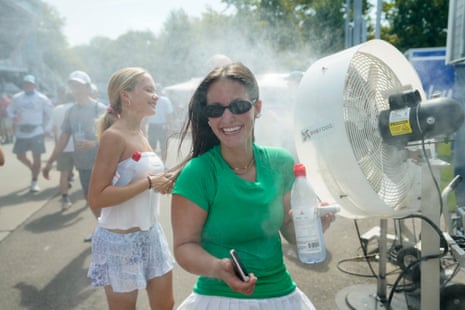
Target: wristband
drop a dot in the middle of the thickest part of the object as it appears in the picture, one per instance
(150, 182)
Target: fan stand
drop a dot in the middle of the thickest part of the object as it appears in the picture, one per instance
(368, 296)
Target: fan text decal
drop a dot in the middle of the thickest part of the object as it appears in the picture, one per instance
(308, 133)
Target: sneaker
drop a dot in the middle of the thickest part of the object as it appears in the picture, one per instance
(88, 239)
(65, 203)
(34, 187)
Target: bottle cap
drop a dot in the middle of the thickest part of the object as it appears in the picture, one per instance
(299, 170)
(136, 156)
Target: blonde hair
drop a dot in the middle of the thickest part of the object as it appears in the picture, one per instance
(124, 79)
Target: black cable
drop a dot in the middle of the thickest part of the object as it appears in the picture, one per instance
(431, 223)
(460, 240)
(364, 249)
(366, 257)
(355, 259)
(423, 258)
(453, 274)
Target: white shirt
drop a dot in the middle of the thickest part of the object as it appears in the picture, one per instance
(58, 115)
(139, 211)
(31, 109)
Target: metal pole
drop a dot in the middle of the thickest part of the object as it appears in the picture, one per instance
(382, 244)
(357, 22)
(430, 245)
(378, 19)
(348, 40)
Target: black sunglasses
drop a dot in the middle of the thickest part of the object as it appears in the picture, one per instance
(238, 106)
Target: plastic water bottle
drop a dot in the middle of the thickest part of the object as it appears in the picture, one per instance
(128, 172)
(311, 247)
(79, 134)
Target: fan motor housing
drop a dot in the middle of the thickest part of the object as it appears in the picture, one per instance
(438, 117)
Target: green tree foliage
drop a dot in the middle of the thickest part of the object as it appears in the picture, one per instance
(104, 56)
(176, 43)
(323, 23)
(268, 35)
(415, 24)
(295, 25)
(51, 39)
(39, 44)
(238, 36)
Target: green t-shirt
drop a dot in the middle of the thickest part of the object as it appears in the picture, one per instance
(242, 215)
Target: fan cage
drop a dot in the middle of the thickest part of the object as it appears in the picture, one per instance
(386, 168)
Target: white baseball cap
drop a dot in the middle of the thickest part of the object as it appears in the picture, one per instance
(80, 77)
(29, 79)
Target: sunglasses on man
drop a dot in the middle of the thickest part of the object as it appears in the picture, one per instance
(238, 106)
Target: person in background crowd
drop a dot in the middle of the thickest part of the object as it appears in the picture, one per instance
(6, 128)
(233, 194)
(94, 93)
(30, 111)
(2, 157)
(65, 161)
(129, 248)
(159, 126)
(217, 60)
(80, 123)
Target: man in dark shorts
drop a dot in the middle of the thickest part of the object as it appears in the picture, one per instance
(30, 111)
(80, 124)
(65, 161)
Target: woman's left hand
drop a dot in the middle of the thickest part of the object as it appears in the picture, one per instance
(162, 183)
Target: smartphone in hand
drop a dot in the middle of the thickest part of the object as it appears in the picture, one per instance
(239, 268)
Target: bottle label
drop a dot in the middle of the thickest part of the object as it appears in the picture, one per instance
(308, 241)
(116, 177)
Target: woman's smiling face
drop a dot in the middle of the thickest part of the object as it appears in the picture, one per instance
(144, 95)
(231, 129)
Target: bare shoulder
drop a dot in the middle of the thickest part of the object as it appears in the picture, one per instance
(114, 140)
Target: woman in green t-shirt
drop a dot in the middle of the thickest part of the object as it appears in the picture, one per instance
(233, 194)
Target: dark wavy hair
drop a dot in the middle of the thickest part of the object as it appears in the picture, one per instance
(203, 138)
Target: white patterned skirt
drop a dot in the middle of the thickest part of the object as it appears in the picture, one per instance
(293, 301)
(127, 261)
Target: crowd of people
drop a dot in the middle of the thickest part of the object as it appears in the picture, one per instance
(228, 193)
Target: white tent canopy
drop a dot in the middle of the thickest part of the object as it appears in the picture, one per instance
(269, 84)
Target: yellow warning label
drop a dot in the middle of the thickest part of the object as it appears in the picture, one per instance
(399, 122)
(400, 128)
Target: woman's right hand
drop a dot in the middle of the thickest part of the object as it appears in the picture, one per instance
(233, 281)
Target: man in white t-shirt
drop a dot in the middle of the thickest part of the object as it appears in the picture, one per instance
(65, 162)
(159, 126)
(30, 111)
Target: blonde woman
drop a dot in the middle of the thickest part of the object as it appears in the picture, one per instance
(129, 248)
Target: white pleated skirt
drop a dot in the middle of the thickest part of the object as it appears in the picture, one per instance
(294, 301)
